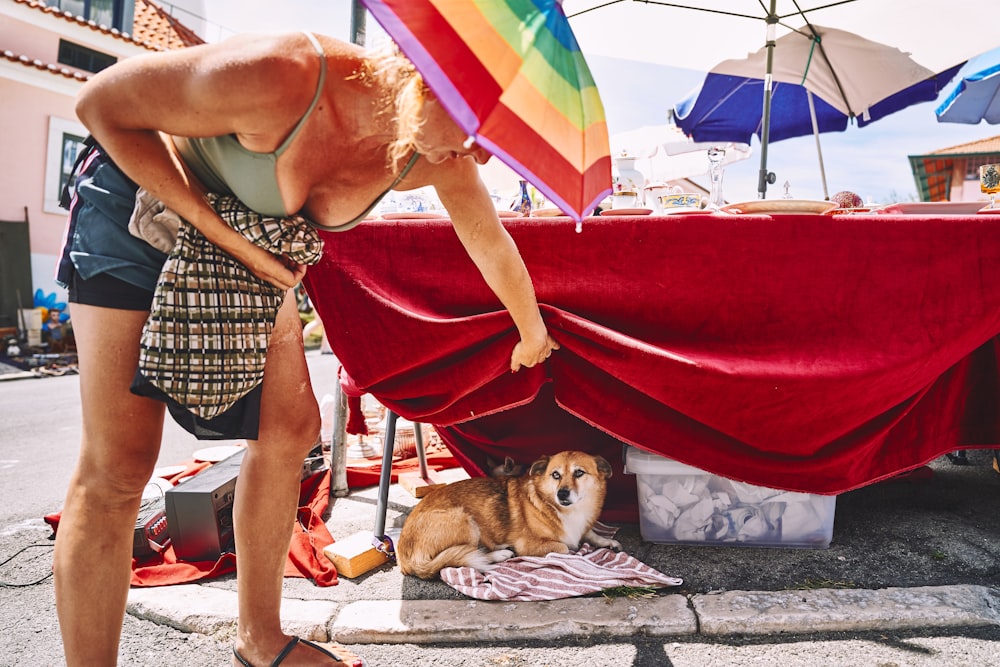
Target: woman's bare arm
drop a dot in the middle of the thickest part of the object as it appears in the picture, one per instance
(491, 248)
(234, 87)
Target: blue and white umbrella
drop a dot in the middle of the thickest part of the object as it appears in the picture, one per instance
(976, 97)
(822, 80)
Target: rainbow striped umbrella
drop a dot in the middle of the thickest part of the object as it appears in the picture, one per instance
(511, 74)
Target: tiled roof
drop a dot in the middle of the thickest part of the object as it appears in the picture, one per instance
(988, 145)
(38, 64)
(153, 28)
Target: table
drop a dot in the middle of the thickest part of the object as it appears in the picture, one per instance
(802, 352)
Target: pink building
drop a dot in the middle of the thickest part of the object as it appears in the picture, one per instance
(48, 49)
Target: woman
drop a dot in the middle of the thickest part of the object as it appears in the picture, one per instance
(290, 123)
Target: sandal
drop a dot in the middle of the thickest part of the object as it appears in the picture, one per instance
(290, 646)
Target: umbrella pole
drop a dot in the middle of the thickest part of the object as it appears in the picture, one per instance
(764, 177)
(819, 150)
(358, 29)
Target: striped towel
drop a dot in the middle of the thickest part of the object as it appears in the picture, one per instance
(556, 576)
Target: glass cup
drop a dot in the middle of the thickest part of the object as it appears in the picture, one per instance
(716, 154)
(989, 181)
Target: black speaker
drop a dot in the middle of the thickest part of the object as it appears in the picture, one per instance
(200, 511)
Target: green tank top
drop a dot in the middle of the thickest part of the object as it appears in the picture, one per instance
(226, 167)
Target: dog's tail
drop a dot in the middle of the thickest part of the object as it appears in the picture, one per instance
(460, 555)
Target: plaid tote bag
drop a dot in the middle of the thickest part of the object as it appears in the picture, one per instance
(205, 342)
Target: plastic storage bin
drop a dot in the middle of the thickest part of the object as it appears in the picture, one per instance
(680, 504)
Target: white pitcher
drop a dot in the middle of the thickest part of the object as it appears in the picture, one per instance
(626, 178)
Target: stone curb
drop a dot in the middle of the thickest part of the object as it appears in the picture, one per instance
(429, 621)
(211, 611)
(846, 610)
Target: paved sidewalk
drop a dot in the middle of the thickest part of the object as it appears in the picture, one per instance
(384, 607)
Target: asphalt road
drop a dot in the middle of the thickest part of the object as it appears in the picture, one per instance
(941, 531)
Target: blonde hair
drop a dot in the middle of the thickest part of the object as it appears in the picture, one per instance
(407, 95)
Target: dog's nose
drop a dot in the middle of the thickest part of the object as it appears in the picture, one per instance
(562, 494)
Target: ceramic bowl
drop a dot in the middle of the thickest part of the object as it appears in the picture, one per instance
(679, 200)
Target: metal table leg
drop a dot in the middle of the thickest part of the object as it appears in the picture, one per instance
(418, 433)
(338, 445)
(385, 478)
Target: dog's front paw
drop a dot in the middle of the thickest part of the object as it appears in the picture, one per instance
(599, 541)
(499, 556)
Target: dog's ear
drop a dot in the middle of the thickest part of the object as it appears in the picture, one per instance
(511, 468)
(603, 466)
(539, 466)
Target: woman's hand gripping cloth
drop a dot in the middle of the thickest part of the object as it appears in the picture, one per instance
(205, 342)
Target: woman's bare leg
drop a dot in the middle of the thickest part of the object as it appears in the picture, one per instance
(267, 493)
(121, 441)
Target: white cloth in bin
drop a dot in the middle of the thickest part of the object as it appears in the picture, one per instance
(697, 508)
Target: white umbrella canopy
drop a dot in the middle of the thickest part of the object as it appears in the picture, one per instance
(851, 74)
(699, 33)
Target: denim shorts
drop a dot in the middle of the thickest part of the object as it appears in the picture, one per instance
(101, 263)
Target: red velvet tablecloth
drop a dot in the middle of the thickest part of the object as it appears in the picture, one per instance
(810, 353)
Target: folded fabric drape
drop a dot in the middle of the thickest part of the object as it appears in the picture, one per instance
(801, 352)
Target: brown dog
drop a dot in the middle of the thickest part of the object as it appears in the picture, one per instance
(482, 521)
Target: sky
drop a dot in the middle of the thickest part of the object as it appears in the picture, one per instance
(870, 161)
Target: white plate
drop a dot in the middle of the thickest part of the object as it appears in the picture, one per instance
(628, 211)
(546, 212)
(786, 206)
(215, 454)
(155, 487)
(934, 207)
(412, 215)
(168, 471)
(683, 209)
